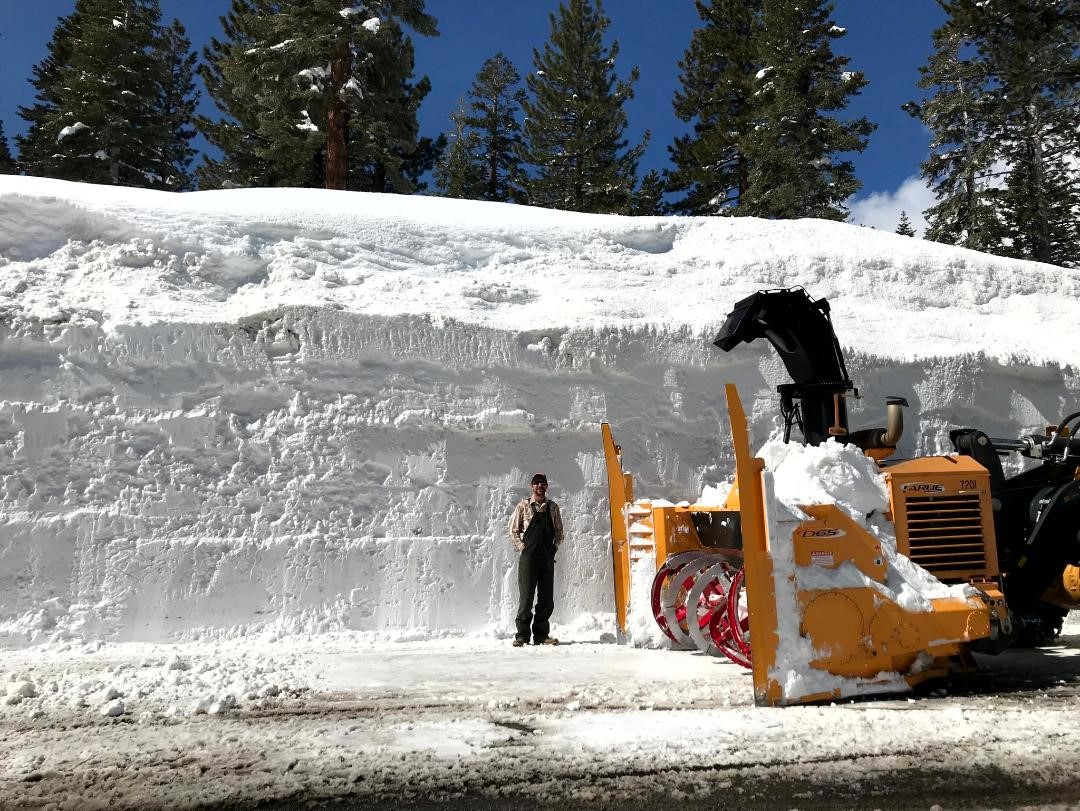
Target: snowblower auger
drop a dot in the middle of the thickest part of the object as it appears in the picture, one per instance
(660, 551)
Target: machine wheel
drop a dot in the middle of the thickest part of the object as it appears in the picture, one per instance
(730, 629)
(1041, 625)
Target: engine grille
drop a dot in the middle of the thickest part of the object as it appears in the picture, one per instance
(945, 534)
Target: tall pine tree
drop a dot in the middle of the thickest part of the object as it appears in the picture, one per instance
(795, 142)
(37, 148)
(483, 161)
(575, 119)
(7, 163)
(1017, 119)
(385, 150)
(717, 98)
(459, 174)
(109, 106)
(962, 149)
(315, 92)
(496, 101)
(1034, 49)
(178, 102)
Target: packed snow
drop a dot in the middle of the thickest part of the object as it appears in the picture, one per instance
(258, 450)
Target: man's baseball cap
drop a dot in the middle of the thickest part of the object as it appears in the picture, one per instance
(539, 478)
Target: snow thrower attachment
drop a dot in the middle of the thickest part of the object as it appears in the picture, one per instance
(811, 594)
(676, 565)
(821, 596)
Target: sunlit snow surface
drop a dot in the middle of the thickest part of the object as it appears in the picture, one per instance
(244, 433)
(307, 411)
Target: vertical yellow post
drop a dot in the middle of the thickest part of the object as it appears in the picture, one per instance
(620, 491)
(760, 588)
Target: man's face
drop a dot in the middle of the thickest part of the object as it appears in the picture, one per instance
(539, 490)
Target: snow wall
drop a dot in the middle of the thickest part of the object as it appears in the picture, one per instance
(306, 468)
(323, 470)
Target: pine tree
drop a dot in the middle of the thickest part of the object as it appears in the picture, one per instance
(459, 174)
(177, 103)
(422, 160)
(103, 91)
(385, 150)
(1007, 105)
(793, 145)
(236, 135)
(575, 121)
(649, 199)
(496, 101)
(904, 227)
(1036, 99)
(315, 92)
(717, 96)
(963, 153)
(7, 163)
(37, 148)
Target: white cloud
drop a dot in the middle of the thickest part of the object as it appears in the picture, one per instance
(881, 209)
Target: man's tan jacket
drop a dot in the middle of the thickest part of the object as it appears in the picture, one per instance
(523, 515)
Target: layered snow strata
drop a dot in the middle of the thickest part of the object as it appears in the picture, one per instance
(303, 410)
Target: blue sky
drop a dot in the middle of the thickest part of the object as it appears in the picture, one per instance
(888, 41)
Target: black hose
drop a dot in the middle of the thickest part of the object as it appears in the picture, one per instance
(1066, 421)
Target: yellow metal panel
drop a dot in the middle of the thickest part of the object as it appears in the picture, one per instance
(760, 589)
(942, 510)
(620, 484)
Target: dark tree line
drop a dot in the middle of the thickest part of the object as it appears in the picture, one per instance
(324, 93)
(760, 90)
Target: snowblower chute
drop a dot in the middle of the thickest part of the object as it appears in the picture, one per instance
(814, 591)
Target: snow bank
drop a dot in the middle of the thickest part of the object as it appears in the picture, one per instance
(300, 410)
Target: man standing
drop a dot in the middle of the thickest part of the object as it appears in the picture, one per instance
(536, 529)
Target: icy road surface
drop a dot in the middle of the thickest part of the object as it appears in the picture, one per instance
(473, 723)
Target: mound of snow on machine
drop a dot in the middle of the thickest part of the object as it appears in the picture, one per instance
(303, 411)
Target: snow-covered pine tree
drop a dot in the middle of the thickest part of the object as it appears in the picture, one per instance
(1032, 49)
(305, 86)
(904, 226)
(37, 147)
(575, 119)
(794, 144)
(962, 149)
(1005, 150)
(495, 101)
(235, 135)
(459, 174)
(101, 90)
(716, 96)
(385, 150)
(7, 162)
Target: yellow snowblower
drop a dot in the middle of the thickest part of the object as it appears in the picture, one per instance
(805, 602)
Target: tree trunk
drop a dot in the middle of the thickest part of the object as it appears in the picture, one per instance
(337, 118)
